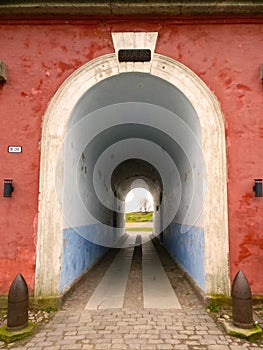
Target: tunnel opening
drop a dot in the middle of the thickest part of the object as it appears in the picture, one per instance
(138, 199)
(129, 176)
(100, 118)
(145, 130)
(139, 208)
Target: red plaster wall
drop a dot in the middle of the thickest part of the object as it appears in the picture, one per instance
(40, 56)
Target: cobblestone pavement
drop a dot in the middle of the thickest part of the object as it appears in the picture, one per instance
(132, 327)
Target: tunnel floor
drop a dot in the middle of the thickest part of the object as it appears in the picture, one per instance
(129, 316)
(155, 289)
(141, 276)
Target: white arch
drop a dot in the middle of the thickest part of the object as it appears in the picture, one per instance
(50, 221)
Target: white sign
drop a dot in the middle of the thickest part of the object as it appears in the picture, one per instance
(14, 149)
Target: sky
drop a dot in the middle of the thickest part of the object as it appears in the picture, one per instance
(135, 197)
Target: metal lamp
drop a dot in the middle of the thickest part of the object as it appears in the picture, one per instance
(257, 188)
(8, 188)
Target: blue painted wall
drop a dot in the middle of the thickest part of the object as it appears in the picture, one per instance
(77, 255)
(188, 249)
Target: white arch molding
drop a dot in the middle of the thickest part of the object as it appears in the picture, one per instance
(50, 221)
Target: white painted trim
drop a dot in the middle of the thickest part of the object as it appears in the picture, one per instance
(134, 40)
(50, 223)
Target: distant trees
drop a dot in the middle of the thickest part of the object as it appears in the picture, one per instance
(145, 205)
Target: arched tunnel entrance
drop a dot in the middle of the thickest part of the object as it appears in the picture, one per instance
(136, 173)
(126, 127)
(133, 126)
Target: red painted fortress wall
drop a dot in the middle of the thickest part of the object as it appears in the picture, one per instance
(39, 57)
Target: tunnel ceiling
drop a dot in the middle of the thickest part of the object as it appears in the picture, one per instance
(127, 171)
(136, 87)
(135, 169)
(128, 127)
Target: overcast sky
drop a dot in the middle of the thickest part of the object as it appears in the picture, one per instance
(135, 197)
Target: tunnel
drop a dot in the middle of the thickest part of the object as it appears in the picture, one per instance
(132, 130)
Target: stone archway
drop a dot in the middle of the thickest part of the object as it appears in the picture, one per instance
(50, 222)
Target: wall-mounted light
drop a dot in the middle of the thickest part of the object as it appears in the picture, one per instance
(8, 188)
(257, 188)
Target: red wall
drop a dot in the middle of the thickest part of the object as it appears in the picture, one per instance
(40, 56)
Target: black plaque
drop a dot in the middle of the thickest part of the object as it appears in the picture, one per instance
(134, 55)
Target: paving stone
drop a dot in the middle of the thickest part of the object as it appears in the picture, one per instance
(71, 347)
(164, 346)
(44, 343)
(132, 327)
(150, 347)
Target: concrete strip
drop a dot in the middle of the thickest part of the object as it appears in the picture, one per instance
(157, 290)
(140, 237)
(111, 290)
(131, 239)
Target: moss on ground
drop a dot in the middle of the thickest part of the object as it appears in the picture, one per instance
(11, 336)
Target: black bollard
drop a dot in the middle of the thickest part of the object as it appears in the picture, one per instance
(17, 312)
(242, 302)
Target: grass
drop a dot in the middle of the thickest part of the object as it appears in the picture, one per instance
(49, 309)
(214, 307)
(139, 216)
(141, 229)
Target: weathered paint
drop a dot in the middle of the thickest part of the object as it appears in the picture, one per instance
(77, 255)
(40, 56)
(186, 245)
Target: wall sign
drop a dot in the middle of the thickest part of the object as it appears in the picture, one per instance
(14, 149)
(134, 55)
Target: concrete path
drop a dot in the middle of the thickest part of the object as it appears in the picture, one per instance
(147, 224)
(157, 290)
(133, 327)
(111, 291)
